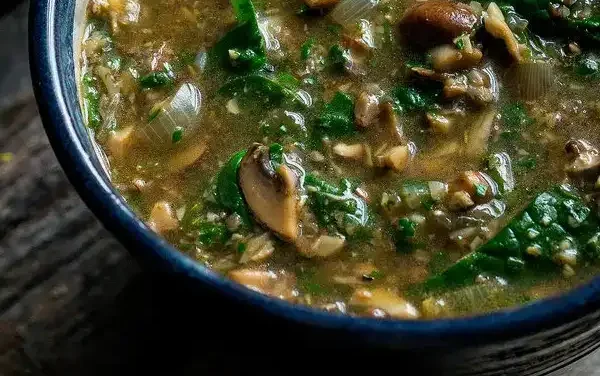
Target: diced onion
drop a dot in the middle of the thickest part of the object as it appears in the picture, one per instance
(181, 111)
(348, 12)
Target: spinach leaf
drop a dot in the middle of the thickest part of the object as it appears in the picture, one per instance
(556, 224)
(410, 99)
(91, 101)
(158, 79)
(337, 118)
(260, 87)
(229, 194)
(587, 65)
(242, 49)
(338, 208)
(575, 22)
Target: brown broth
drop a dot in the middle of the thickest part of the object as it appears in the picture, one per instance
(368, 277)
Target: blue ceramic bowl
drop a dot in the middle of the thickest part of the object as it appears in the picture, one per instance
(532, 339)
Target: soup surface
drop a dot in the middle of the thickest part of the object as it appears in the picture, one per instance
(394, 159)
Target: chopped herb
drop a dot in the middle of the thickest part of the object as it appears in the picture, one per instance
(460, 44)
(306, 48)
(288, 80)
(91, 101)
(159, 79)
(339, 58)
(210, 234)
(241, 248)
(515, 117)
(177, 135)
(404, 235)
(276, 154)
(480, 189)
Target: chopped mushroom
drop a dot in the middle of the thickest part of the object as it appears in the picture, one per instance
(437, 21)
(321, 3)
(366, 109)
(258, 248)
(438, 123)
(496, 25)
(584, 162)
(186, 157)
(389, 120)
(460, 200)
(119, 141)
(448, 58)
(477, 84)
(162, 218)
(280, 285)
(478, 134)
(396, 158)
(385, 300)
(323, 246)
(479, 186)
(354, 151)
(271, 195)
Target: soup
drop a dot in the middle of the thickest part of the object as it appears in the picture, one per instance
(394, 159)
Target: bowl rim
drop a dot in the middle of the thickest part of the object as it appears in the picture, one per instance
(61, 119)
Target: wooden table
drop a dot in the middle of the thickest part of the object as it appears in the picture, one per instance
(72, 301)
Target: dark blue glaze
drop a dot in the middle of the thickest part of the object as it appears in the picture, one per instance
(513, 339)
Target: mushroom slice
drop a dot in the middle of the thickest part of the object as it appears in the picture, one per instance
(323, 246)
(394, 305)
(437, 21)
(270, 194)
(366, 109)
(584, 161)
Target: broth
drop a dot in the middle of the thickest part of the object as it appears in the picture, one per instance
(417, 160)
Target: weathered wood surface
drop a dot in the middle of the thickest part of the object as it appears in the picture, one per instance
(72, 301)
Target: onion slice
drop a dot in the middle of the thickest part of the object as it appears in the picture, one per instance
(348, 12)
(533, 79)
(179, 112)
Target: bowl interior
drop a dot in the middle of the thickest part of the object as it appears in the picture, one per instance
(56, 31)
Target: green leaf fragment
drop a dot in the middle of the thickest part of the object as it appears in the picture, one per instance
(556, 221)
(337, 118)
(229, 194)
(306, 48)
(210, 234)
(91, 101)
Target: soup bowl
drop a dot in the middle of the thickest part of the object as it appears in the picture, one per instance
(531, 339)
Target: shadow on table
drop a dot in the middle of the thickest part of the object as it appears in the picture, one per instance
(157, 326)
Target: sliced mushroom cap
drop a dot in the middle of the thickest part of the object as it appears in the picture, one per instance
(366, 109)
(270, 194)
(584, 161)
(437, 21)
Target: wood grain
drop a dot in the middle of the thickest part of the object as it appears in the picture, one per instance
(72, 301)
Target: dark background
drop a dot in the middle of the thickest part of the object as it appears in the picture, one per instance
(73, 302)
